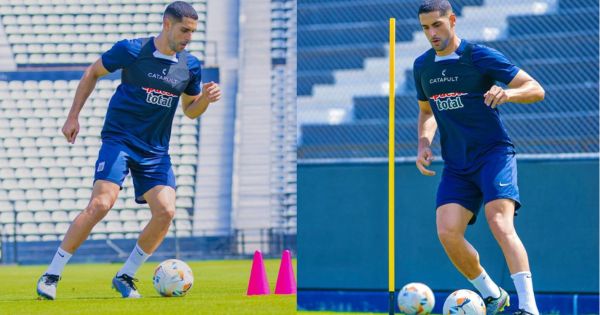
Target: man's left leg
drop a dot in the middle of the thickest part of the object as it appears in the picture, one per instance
(500, 216)
(161, 200)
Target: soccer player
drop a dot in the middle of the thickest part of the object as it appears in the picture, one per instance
(457, 91)
(156, 72)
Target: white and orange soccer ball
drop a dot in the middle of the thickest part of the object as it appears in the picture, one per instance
(415, 299)
(464, 302)
(173, 277)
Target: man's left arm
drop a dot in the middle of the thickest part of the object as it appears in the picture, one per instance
(196, 105)
(522, 89)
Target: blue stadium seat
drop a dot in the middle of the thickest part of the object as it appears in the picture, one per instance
(354, 33)
(340, 57)
(580, 44)
(341, 34)
(331, 12)
(560, 22)
(307, 79)
(578, 4)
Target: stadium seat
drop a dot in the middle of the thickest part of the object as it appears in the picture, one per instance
(114, 226)
(67, 204)
(23, 217)
(28, 228)
(46, 228)
(100, 227)
(35, 205)
(59, 216)
(143, 215)
(127, 215)
(61, 227)
(7, 217)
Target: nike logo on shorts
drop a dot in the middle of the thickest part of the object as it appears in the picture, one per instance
(503, 184)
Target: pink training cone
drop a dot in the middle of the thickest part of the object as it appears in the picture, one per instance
(258, 284)
(286, 283)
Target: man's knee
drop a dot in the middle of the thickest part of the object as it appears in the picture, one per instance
(500, 226)
(449, 234)
(164, 213)
(98, 207)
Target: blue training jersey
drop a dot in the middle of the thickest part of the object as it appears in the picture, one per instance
(141, 110)
(454, 86)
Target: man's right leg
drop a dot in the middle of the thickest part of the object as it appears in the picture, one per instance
(452, 220)
(104, 195)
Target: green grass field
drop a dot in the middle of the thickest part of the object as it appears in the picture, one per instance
(219, 288)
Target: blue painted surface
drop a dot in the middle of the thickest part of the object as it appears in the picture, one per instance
(342, 228)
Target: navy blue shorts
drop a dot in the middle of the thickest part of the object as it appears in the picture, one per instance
(116, 159)
(495, 178)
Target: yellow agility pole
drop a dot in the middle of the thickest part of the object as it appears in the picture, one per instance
(391, 167)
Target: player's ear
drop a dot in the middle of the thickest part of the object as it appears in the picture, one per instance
(166, 23)
(452, 18)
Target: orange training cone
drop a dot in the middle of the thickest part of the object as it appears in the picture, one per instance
(286, 283)
(258, 283)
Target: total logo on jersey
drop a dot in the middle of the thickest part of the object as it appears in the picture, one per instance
(448, 101)
(158, 97)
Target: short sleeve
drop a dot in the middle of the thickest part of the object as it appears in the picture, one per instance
(193, 87)
(417, 77)
(122, 54)
(493, 63)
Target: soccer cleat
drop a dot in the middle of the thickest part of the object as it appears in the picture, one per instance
(522, 312)
(495, 305)
(46, 286)
(124, 285)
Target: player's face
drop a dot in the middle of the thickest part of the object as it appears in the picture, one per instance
(438, 28)
(180, 33)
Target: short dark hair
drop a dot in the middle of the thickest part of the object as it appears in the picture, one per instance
(442, 6)
(180, 9)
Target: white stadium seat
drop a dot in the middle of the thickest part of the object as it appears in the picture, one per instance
(23, 217)
(43, 216)
(28, 228)
(59, 216)
(61, 227)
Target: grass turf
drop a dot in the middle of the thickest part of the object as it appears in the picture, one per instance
(219, 288)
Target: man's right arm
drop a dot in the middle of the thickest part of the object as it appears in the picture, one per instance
(426, 131)
(84, 89)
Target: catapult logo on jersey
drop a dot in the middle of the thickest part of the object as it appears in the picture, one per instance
(158, 97)
(448, 101)
(443, 78)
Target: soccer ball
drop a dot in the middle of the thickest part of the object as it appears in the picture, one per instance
(416, 299)
(173, 277)
(464, 302)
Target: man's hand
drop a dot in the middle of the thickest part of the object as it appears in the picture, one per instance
(70, 129)
(495, 96)
(424, 158)
(211, 91)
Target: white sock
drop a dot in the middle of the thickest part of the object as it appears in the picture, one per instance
(134, 262)
(58, 262)
(484, 284)
(524, 286)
